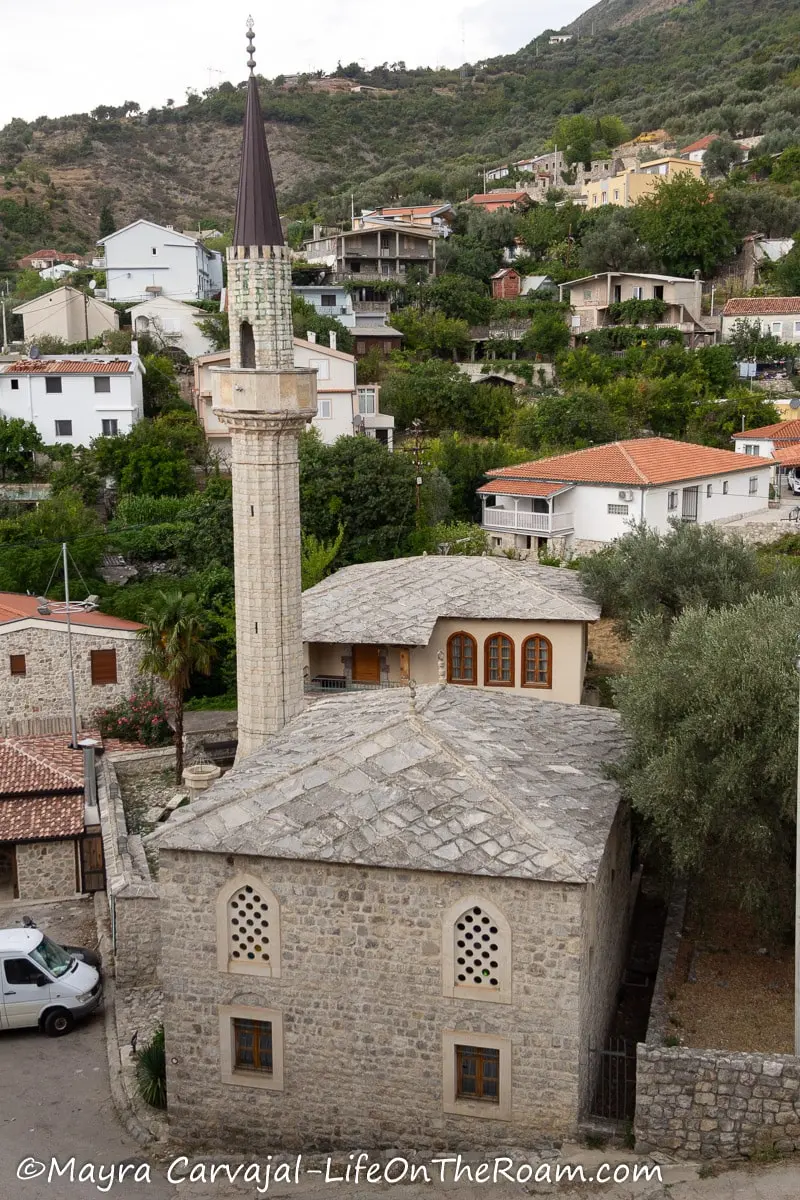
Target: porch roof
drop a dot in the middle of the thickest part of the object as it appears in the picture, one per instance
(523, 487)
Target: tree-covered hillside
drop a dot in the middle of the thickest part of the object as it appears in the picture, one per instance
(712, 65)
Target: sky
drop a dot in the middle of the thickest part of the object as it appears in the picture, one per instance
(66, 56)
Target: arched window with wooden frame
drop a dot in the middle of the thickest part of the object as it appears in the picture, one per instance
(462, 658)
(498, 661)
(537, 662)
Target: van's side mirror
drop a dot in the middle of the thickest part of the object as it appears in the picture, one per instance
(42, 981)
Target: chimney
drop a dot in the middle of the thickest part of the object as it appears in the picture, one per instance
(134, 346)
(332, 339)
(311, 337)
(698, 295)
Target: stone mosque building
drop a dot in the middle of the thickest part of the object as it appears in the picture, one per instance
(401, 919)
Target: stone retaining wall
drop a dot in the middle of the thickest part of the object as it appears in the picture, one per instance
(701, 1103)
(132, 894)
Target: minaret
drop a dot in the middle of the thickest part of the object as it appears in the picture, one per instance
(265, 402)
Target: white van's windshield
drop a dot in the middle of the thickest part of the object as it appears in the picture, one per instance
(52, 957)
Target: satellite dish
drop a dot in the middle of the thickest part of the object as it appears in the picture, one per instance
(794, 403)
(92, 284)
(34, 352)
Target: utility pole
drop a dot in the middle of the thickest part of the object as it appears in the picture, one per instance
(73, 705)
(5, 328)
(417, 448)
(86, 321)
(797, 889)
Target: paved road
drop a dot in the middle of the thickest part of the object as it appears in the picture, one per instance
(55, 1103)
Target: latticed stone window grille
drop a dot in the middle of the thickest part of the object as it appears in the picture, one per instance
(248, 929)
(477, 952)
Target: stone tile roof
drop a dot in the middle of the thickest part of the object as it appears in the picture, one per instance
(762, 306)
(468, 781)
(399, 602)
(641, 462)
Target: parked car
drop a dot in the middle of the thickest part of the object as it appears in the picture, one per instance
(42, 984)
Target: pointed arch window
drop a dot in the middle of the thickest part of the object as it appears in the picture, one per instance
(498, 664)
(476, 951)
(248, 928)
(247, 345)
(462, 658)
(537, 662)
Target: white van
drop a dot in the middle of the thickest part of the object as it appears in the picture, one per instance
(42, 985)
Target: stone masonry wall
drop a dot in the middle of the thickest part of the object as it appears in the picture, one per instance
(702, 1103)
(46, 870)
(132, 895)
(43, 691)
(360, 991)
(260, 292)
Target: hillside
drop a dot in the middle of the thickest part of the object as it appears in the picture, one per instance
(691, 67)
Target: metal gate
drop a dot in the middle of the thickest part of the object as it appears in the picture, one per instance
(613, 1075)
(93, 871)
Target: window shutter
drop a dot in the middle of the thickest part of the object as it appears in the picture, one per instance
(104, 666)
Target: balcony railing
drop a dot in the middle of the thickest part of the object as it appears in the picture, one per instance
(527, 522)
(325, 684)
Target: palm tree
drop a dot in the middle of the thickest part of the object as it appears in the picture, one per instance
(175, 648)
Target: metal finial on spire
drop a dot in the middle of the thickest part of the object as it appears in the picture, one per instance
(251, 62)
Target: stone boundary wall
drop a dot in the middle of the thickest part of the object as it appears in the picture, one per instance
(132, 894)
(141, 762)
(702, 1103)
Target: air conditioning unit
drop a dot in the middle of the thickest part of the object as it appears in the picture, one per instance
(626, 496)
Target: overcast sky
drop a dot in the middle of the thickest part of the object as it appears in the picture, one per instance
(65, 56)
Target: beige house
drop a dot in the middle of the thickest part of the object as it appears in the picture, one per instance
(631, 185)
(592, 297)
(68, 314)
(478, 622)
(343, 406)
(401, 922)
(778, 315)
(387, 249)
(34, 682)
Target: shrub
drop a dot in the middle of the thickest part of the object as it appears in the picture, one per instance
(151, 1071)
(141, 717)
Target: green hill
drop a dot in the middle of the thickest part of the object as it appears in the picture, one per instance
(693, 68)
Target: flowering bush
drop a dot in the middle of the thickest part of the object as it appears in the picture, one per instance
(141, 717)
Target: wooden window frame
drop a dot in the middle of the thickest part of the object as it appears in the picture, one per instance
(479, 1054)
(467, 1105)
(537, 637)
(487, 679)
(263, 1056)
(14, 663)
(106, 650)
(461, 633)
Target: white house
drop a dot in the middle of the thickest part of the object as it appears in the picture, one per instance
(172, 323)
(58, 271)
(68, 314)
(330, 300)
(778, 315)
(144, 260)
(780, 442)
(344, 407)
(580, 501)
(72, 398)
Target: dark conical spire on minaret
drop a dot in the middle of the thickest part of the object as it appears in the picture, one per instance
(257, 222)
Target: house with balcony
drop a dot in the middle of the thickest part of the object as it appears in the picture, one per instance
(385, 250)
(360, 310)
(578, 502)
(483, 622)
(780, 442)
(344, 407)
(629, 186)
(593, 299)
(433, 216)
(144, 260)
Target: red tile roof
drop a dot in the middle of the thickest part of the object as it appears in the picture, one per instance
(788, 456)
(62, 366)
(701, 144)
(16, 607)
(39, 764)
(41, 818)
(642, 462)
(524, 487)
(498, 197)
(783, 431)
(762, 306)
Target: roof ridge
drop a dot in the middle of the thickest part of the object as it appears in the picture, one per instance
(505, 565)
(38, 760)
(485, 785)
(634, 466)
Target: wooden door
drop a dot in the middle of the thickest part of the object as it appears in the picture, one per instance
(93, 872)
(366, 664)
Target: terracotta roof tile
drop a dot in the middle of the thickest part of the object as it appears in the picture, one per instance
(16, 607)
(39, 764)
(789, 455)
(62, 366)
(641, 462)
(782, 431)
(524, 487)
(39, 818)
(762, 306)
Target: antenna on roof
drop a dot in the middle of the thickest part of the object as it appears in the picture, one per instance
(34, 352)
(794, 403)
